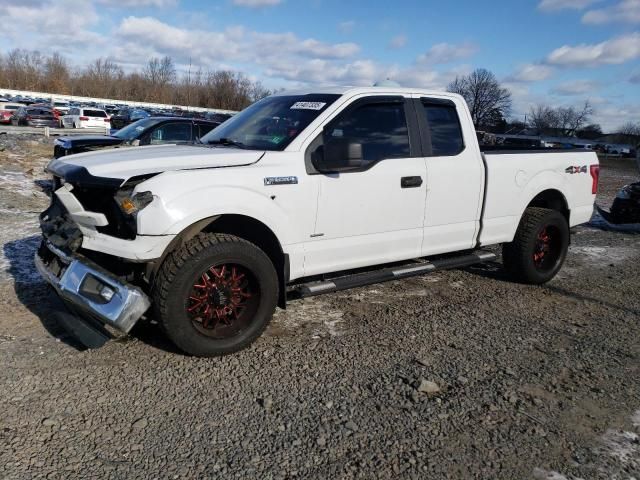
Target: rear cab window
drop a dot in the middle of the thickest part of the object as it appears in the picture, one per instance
(443, 126)
(94, 113)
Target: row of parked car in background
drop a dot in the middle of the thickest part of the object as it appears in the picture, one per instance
(40, 112)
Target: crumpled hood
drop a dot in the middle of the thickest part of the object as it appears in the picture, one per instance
(125, 163)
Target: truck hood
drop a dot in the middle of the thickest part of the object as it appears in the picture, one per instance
(119, 165)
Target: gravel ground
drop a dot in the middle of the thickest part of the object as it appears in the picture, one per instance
(460, 374)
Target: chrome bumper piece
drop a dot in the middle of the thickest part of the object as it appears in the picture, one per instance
(80, 283)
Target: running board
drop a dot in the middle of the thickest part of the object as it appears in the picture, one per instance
(394, 273)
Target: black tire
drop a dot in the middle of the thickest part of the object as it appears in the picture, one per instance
(175, 286)
(539, 247)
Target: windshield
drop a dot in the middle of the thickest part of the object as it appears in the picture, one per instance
(271, 123)
(134, 130)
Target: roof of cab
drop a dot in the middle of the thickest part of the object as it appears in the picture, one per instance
(367, 90)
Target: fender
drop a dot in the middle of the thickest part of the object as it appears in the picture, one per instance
(545, 180)
(173, 217)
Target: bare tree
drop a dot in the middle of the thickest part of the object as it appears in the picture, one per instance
(629, 133)
(543, 118)
(160, 73)
(570, 119)
(56, 74)
(563, 121)
(488, 101)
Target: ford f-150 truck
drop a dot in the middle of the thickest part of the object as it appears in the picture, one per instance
(300, 194)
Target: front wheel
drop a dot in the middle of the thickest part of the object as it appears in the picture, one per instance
(215, 295)
(539, 247)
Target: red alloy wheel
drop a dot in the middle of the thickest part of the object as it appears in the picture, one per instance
(223, 300)
(547, 248)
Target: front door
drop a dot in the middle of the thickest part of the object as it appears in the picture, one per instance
(370, 213)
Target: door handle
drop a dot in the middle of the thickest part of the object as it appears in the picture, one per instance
(410, 182)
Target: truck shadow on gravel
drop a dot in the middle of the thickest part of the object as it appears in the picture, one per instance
(40, 300)
(32, 291)
(495, 271)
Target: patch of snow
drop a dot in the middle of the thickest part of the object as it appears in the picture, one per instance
(540, 474)
(314, 315)
(604, 255)
(624, 446)
(621, 445)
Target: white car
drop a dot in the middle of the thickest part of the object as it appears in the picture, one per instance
(79, 117)
(61, 106)
(300, 194)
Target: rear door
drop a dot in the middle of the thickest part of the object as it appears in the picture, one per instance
(455, 176)
(372, 214)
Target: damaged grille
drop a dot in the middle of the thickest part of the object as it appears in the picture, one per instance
(101, 200)
(58, 228)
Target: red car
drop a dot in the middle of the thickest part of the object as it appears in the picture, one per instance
(7, 110)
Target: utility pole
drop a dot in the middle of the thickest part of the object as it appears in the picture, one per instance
(189, 84)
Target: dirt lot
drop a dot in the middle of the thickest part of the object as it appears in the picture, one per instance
(531, 382)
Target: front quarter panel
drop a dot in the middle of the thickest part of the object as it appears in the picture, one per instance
(185, 197)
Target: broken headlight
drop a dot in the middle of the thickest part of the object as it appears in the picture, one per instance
(131, 204)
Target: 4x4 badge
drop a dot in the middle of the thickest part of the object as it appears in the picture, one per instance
(280, 180)
(573, 170)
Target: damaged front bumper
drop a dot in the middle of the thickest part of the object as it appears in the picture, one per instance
(91, 289)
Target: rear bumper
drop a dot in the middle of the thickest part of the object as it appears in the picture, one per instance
(91, 289)
(44, 123)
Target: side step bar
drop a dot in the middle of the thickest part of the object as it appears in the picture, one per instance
(394, 273)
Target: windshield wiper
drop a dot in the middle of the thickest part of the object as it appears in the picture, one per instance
(227, 142)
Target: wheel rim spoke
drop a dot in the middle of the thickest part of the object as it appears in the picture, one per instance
(222, 299)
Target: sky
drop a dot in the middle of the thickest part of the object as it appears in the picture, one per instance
(553, 52)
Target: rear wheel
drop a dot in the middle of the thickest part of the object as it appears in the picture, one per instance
(539, 247)
(216, 294)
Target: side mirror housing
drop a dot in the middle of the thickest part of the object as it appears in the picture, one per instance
(337, 155)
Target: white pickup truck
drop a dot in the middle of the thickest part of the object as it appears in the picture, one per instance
(300, 194)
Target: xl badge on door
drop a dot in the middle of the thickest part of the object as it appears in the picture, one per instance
(280, 180)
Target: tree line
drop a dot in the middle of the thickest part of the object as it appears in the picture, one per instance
(158, 81)
(490, 105)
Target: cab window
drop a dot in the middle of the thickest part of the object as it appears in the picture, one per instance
(380, 128)
(444, 128)
(171, 133)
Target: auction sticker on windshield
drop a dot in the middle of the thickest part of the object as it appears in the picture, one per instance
(308, 106)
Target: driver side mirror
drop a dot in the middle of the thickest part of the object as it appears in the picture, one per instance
(337, 155)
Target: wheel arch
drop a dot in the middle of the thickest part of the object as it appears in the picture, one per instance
(552, 199)
(242, 226)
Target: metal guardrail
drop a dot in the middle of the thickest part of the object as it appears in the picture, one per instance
(49, 132)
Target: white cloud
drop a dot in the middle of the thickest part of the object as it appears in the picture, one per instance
(615, 51)
(256, 3)
(138, 3)
(398, 41)
(48, 25)
(148, 35)
(627, 11)
(576, 87)
(447, 53)
(347, 26)
(531, 72)
(555, 5)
